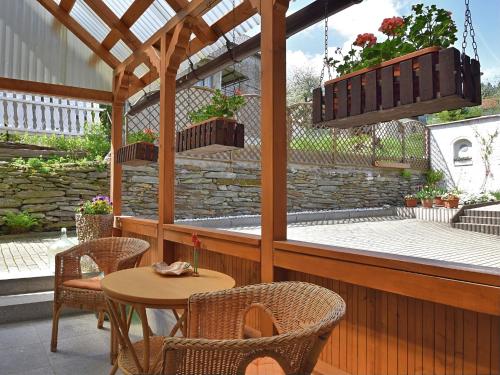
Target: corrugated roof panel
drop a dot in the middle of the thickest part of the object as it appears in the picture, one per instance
(141, 70)
(155, 17)
(119, 7)
(36, 47)
(89, 20)
(121, 51)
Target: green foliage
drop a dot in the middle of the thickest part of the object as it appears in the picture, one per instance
(20, 222)
(147, 135)
(9, 137)
(406, 174)
(426, 193)
(99, 205)
(455, 115)
(94, 143)
(427, 26)
(496, 194)
(433, 177)
(47, 166)
(221, 106)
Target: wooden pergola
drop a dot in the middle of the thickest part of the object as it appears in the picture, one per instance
(404, 315)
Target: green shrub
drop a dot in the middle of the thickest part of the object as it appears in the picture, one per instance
(406, 174)
(433, 177)
(20, 222)
(496, 194)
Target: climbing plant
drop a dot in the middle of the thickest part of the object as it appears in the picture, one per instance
(486, 143)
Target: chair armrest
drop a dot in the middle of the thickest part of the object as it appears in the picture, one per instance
(67, 264)
(223, 354)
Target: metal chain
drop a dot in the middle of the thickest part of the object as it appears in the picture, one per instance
(469, 27)
(326, 65)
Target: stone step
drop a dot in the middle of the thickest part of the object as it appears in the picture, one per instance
(480, 220)
(26, 285)
(29, 306)
(483, 213)
(481, 228)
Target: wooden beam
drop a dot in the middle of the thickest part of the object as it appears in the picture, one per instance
(67, 5)
(273, 129)
(131, 15)
(107, 15)
(194, 9)
(116, 169)
(50, 89)
(172, 50)
(200, 27)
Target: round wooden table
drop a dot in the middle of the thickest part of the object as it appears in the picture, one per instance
(142, 288)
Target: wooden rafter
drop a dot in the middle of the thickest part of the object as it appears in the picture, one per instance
(67, 5)
(107, 15)
(241, 13)
(200, 27)
(194, 9)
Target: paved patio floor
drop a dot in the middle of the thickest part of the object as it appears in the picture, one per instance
(409, 237)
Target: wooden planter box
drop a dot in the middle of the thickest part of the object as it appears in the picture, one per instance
(139, 153)
(214, 135)
(426, 81)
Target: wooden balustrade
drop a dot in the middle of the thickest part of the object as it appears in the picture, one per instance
(404, 316)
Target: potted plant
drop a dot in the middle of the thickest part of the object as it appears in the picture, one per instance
(398, 77)
(426, 196)
(451, 199)
(21, 222)
(410, 200)
(140, 148)
(438, 194)
(94, 219)
(214, 128)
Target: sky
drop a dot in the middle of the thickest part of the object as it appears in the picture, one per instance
(307, 47)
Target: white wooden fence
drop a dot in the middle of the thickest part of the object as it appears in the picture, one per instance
(45, 115)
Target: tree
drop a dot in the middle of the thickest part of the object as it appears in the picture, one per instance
(300, 85)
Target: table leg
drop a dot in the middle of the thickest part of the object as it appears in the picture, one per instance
(180, 324)
(145, 331)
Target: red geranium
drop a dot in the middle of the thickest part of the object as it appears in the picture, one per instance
(391, 26)
(365, 40)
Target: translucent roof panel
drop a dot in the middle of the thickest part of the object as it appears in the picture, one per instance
(121, 50)
(89, 20)
(119, 7)
(152, 19)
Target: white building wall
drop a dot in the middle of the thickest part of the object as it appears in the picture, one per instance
(468, 171)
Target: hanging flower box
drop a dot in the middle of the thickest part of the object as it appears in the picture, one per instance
(213, 135)
(138, 153)
(427, 81)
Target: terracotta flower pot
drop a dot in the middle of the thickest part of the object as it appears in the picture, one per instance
(451, 203)
(411, 202)
(89, 227)
(438, 202)
(427, 203)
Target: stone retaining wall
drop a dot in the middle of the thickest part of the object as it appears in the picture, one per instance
(203, 189)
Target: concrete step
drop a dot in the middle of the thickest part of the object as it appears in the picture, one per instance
(480, 220)
(29, 306)
(26, 285)
(481, 228)
(483, 212)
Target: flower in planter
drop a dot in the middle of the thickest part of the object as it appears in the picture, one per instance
(426, 193)
(99, 205)
(365, 40)
(147, 135)
(392, 26)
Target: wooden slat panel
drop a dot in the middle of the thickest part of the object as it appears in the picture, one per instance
(476, 81)
(468, 82)
(387, 87)
(470, 343)
(317, 111)
(370, 92)
(355, 95)
(426, 78)
(439, 339)
(329, 111)
(406, 82)
(449, 72)
(341, 95)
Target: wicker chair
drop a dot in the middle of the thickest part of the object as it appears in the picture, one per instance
(303, 314)
(70, 289)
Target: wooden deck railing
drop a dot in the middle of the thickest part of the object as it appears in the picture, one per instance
(404, 315)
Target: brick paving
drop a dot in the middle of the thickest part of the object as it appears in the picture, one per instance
(26, 253)
(408, 237)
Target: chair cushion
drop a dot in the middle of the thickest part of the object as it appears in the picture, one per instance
(264, 366)
(92, 283)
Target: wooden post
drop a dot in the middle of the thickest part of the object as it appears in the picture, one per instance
(274, 131)
(173, 48)
(116, 169)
